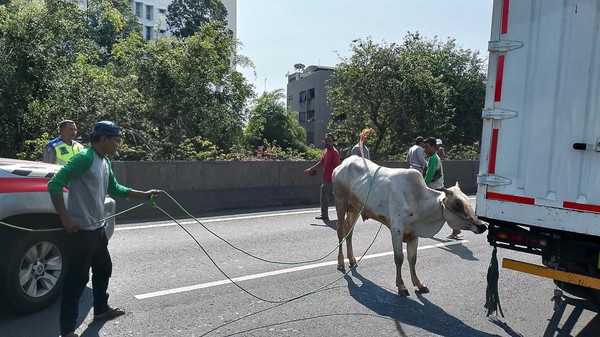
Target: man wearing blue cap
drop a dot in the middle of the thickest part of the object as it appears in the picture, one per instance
(90, 178)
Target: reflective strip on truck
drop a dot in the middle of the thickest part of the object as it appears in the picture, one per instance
(504, 24)
(532, 201)
(558, 275)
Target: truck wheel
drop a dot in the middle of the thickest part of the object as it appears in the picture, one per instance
(35, 272)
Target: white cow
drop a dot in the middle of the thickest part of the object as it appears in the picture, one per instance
(399, 199)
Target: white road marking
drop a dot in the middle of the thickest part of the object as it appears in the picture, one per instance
(276, 272)
(189, 222)
(258, 216)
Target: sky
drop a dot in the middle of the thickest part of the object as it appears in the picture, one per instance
(276, 34)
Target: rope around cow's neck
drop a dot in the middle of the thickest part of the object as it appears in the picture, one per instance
(443, 207)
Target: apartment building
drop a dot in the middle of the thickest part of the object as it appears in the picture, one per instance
(307, 95)
(152, 16)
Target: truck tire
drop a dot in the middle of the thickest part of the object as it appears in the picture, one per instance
(35, 271)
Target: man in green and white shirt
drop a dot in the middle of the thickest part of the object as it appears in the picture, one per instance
(89, 177)
(434, 177)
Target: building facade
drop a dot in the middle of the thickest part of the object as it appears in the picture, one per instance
(152, 16)
(307, 95)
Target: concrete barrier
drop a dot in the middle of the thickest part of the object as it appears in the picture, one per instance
(211, 185)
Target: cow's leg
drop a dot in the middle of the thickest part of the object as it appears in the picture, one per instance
(340, 208)
(351, 218)
(397, 239)
(411, 252)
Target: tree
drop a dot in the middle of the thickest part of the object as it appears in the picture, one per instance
(420, 87)
(271, 121)
(38, 40)
(171, 96)
(184, 17)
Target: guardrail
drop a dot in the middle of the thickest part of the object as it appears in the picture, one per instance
(212, 185)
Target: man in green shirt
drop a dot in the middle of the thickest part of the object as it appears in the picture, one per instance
(90, 178)
(434, 176)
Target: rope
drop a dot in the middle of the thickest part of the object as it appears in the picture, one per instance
(25, 229)
(152, 203)
(319, 289)
(492, 299)
(274, 261)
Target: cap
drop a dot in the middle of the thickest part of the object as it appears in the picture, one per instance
(418, 140)
(105, 128)
(438, 141)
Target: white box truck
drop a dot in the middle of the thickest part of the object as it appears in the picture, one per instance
(539, 174)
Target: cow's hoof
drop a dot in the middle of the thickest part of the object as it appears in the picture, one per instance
(423, 290)
(353, 265)
(403, 292)
(342, 269)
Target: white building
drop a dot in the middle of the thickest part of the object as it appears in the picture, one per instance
(152, 16)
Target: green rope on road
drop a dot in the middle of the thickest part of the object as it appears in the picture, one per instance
(25, 229)
(152, 203)
(319, 289)
(274, 261)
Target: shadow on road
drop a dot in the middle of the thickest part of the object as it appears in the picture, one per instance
(43, 323)
(460, 250)
(420, 312)
(556, 329)
(326, 223)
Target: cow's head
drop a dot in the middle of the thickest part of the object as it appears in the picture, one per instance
(459, 213)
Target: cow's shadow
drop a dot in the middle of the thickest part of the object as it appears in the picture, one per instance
(459, 249)
(407, 311)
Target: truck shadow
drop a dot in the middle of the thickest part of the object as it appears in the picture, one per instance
(406, 311)
(579, 305)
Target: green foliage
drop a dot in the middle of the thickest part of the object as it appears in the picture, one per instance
(62, 61)
(420, 87)
(184, 17)
(464, 152)
(34, 148)
(269, 151)
(271, 122)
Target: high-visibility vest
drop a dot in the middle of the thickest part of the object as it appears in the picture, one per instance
(64, 152)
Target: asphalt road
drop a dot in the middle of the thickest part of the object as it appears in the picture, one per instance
(170, 287)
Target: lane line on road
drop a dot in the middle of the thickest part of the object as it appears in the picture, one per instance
(189, 222)
(276, 272)
(258, 216)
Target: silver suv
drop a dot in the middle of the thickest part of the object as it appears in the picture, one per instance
(31, 254)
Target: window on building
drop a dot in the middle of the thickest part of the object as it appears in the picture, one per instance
(290, 98)
(302, 117)
(303, 96)
(310, 138)
(138, 9)
(163, 32)
(148, 32)
(310, 115)
(149, 12)
(311, 94)
(162, 11)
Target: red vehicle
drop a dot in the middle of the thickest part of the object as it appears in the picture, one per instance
(32, 259)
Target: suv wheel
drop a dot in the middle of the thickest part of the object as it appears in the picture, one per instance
(35, 272)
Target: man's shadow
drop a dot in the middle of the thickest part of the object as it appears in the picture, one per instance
(407, 311)
(326, 223)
